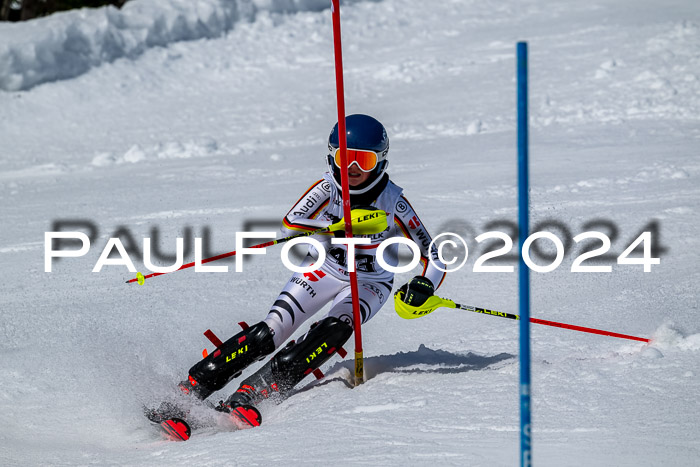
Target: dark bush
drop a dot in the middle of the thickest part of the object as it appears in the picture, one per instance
(21, 10)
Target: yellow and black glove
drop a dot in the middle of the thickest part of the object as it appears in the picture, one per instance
(417, 291)
(354, 212)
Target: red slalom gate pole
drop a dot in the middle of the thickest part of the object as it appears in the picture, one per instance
(589, 330)
(342, 141)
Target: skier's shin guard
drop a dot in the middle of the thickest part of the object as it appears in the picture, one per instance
(291, 364)
(227, 361)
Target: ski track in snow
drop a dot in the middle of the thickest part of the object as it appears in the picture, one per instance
(212, 127)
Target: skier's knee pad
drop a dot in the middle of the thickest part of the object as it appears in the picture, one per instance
(290, 365)
(229, 360)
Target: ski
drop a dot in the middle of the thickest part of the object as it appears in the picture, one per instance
(246, 416)
(176, 429)
(172, 421)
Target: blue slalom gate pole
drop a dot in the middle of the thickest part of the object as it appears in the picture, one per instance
(523, 270)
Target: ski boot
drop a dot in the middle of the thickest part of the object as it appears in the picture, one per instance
(287, 368)
(228, 360)
(211, 374)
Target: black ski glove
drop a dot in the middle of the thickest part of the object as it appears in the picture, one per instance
(417, 291)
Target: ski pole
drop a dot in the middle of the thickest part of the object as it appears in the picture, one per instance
(366, 222)
(407, 311)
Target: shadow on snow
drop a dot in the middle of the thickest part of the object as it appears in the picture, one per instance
(423, 360)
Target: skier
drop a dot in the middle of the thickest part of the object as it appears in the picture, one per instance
(306, 293)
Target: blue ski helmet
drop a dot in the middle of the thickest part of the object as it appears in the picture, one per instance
(365, 133)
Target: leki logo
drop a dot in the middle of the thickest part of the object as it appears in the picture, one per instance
(236, 353)
(317, 352)
(368, 217)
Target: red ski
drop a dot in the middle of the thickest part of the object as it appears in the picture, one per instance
(176, 429)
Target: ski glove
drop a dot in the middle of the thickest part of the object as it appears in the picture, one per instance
(336, 219)
(417, 291)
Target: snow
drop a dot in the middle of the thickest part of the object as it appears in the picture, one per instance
(71, 43)
(211, 127)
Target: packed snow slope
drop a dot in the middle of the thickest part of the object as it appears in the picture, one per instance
(229, 128)
(73, 42)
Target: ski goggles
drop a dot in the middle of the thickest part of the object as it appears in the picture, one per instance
(364, 159)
